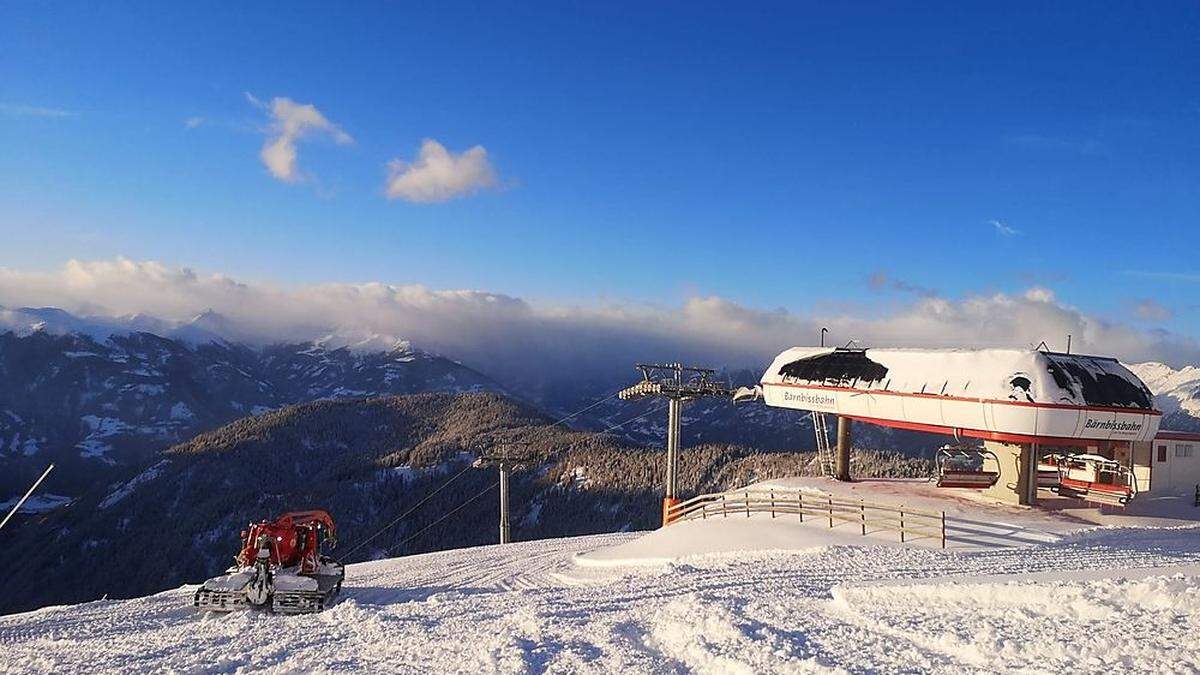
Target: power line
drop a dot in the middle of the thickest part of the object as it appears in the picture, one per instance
(445, 516)
(404, 515)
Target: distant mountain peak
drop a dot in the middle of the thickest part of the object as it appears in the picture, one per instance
(26, 320)
(1174, 389)
(361, 342)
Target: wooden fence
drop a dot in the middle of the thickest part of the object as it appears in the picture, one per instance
(910, 524)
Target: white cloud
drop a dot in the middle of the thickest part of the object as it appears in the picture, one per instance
(1039, 294)
(193, 122)
(510, 338)
(290, 122)
(438, 175)
(1004, 230)
(17, 110)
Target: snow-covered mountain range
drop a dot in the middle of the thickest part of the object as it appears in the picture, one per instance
(99, 407)
(100, 396)
(1176, 393)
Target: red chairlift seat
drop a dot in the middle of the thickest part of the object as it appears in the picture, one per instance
(1048, 470)
(1097, 479)
(976, 480)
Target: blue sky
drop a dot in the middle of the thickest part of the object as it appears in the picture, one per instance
(795, 155)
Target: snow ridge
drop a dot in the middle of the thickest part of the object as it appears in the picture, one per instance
(1173, 389)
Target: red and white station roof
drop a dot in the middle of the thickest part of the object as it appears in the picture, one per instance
(1019, 396)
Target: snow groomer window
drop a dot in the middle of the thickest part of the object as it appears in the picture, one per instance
(1183, 449)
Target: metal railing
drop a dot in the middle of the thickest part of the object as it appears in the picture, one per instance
(910, 524)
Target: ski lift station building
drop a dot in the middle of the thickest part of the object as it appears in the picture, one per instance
(1028, 407)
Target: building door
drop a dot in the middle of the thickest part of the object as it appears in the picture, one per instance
(1160, 476)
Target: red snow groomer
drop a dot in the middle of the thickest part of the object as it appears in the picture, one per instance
(280, 567)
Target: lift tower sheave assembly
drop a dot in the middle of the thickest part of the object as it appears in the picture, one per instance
(676, 383)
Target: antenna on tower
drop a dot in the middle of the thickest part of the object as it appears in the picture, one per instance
(677, 383)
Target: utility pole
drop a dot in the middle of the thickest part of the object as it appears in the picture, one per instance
(676, 383)
(505, 458)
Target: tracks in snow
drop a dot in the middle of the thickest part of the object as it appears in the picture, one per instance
(525, 608)
(521, 566)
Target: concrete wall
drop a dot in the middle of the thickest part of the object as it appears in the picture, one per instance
(1143, 463)
(1018, 473)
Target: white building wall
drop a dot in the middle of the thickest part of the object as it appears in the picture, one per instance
(1175, 467)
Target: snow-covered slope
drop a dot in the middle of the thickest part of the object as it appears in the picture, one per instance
(1106, 600)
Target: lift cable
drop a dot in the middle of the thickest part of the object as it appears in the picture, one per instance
(636, 417)
(492, 487)
(581, 411)
(449, 513)
(429, 496)
(407, 513)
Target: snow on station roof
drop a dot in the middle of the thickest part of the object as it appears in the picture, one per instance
(1004, 394)
(999, 374)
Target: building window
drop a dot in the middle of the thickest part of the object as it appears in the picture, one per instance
(1183, 449)
(1162, 453)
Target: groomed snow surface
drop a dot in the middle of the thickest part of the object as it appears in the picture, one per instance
(755, 595)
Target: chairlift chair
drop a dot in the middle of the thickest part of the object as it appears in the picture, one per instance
(965, 467)
(1095, 478)
(1048, 470)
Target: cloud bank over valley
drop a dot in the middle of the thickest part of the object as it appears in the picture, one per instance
(504, 335)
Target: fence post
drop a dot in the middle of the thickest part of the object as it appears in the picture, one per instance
(772, 494)
(901, 523)
(704, 510)
(831, 513)
(724, 509)
(747, 503)
(862, 512)
(943, 529)
(800, 503)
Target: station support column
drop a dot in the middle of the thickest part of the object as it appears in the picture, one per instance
(1017, 465)
(1029, 473)
(842, 466)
